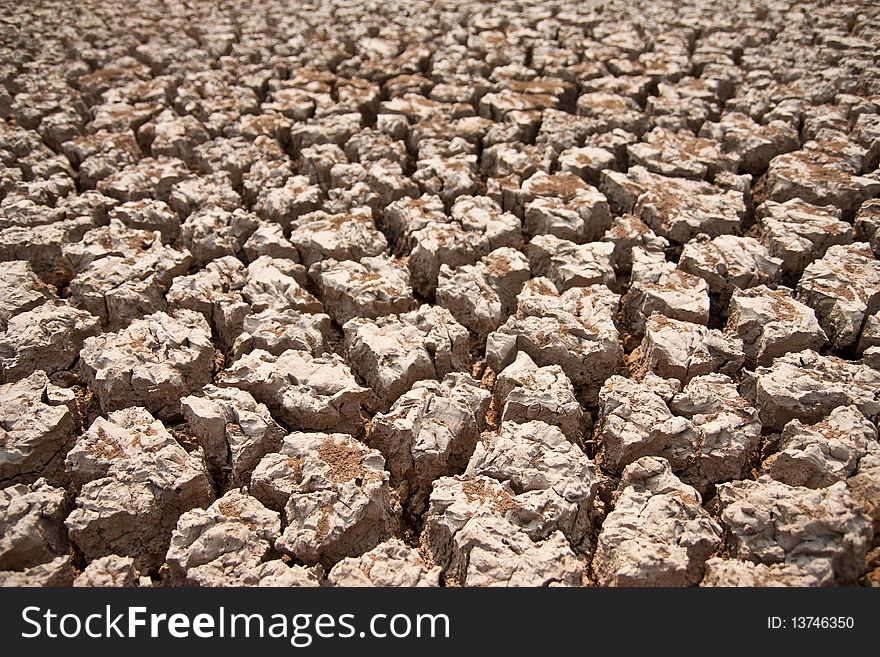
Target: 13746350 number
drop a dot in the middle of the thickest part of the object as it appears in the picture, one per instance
(810, 623)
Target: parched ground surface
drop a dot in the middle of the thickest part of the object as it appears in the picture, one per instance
(439, 294)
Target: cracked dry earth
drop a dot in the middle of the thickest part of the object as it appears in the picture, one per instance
(439, 294)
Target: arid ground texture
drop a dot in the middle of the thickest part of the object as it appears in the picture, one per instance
(417, 293)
